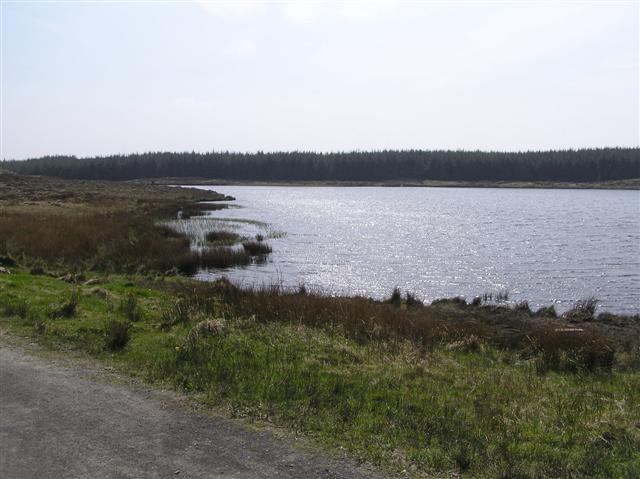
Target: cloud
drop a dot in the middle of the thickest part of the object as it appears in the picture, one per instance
(241, 47)
(191, 104)
(360, 10)
(301, 12)
(232, 9)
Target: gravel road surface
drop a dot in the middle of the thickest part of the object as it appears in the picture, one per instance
(65, 419)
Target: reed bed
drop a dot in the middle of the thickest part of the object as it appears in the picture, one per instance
(200, 209)
(256, 248)
(222, 237)
(561, 347)
(114, 241)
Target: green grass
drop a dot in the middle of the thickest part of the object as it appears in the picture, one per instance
(455, 407)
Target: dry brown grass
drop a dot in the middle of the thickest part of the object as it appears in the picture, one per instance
(20, 189)
(99, 225)
(103, 241)
(256, 248)
(200, 209)
(554, 343)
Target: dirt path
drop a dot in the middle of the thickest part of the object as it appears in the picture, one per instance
(57, 420)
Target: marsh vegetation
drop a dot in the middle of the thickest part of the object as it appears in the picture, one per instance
(119, 228)
(450, 388)
(447, 388)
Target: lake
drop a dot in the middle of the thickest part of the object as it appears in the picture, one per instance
(545, 246)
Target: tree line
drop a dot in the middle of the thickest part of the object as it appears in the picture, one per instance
(584, 165)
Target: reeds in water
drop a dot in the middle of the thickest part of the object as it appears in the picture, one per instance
(256, 248)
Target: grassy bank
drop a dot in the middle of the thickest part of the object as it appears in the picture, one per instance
(456, 403)
(447, 389)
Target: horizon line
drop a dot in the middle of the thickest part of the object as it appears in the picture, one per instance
(317, 152)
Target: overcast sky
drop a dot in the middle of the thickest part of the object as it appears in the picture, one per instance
(94, 78)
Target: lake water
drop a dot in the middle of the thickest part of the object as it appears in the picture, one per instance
(546, 246)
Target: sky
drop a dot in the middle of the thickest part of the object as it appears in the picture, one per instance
(105, 77)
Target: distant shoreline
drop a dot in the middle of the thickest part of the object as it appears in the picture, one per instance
(631, 184)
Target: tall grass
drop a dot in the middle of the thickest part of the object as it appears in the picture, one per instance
(116, 334)
(197, 229)
(16, 307)
(222, 237)
(215, 257)
(112, 241)
(256, 248)
(516, 329)
(199, 209)
(449, 389)
(67, 307)
(130, 308)
(564, 349)
(583, 310)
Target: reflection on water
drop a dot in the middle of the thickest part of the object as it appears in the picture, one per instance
(547, 246)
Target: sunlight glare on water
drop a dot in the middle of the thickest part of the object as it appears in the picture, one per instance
(545, 246)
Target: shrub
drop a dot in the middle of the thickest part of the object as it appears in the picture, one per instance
(116, 333)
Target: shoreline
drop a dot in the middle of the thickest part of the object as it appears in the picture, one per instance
(632, 184)
(434, 388)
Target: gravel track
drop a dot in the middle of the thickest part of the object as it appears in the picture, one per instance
(61, 418)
